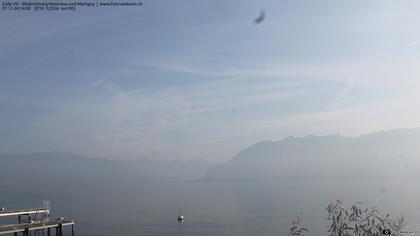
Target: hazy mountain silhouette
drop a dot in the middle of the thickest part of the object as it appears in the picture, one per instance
(64, 167)
(384, 154)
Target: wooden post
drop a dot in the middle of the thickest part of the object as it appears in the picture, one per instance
(49, 232)
(61, 229)
(72, 230)
(19, 219)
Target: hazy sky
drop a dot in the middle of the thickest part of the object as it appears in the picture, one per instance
(197, 79)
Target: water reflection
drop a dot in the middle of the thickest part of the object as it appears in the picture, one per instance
(181, 223)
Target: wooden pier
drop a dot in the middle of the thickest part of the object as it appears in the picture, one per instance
(34, 225)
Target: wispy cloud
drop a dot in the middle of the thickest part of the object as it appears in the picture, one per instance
(99, 82)
(341, 99)
(278, 70)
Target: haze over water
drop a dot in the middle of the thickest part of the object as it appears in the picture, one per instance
(214, 208)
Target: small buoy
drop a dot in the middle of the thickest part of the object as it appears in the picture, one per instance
(180, 216)
(2, 209)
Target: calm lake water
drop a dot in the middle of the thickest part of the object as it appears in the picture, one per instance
(211, 208)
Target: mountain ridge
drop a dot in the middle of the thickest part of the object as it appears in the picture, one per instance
(382, 154)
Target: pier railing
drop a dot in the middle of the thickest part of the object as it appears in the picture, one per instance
(37, 226)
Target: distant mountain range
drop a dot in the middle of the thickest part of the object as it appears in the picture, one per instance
(384, 154)
(66, 166)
